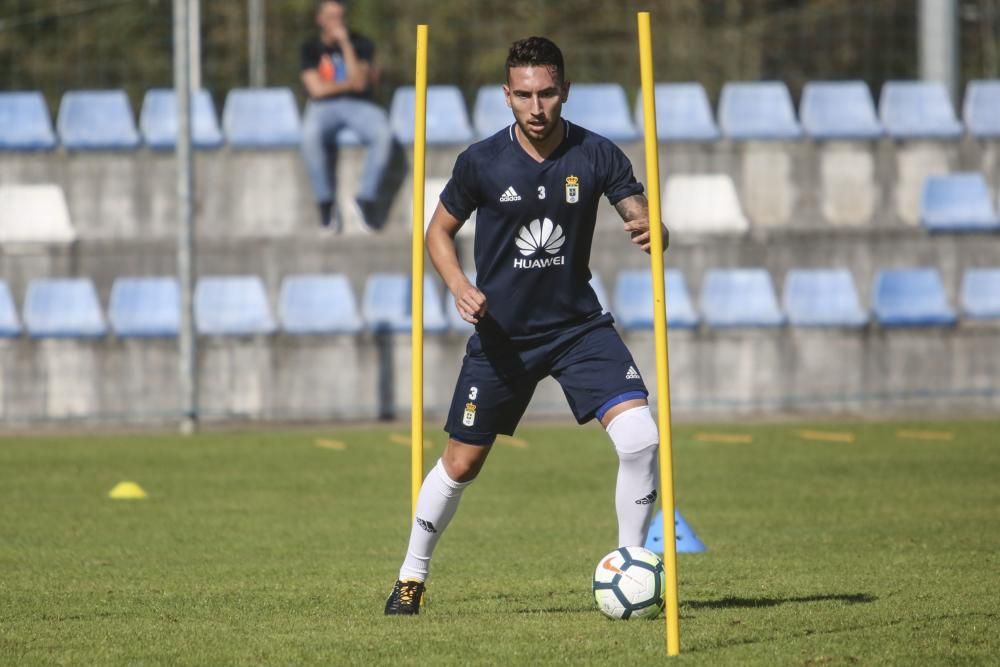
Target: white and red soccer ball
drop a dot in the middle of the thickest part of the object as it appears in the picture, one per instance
(629, 583)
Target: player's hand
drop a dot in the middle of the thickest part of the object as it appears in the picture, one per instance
(638, 231)
(471, 304)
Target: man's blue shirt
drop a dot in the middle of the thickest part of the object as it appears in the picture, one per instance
(535, 226)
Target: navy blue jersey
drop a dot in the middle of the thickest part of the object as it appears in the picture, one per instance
(535, 226)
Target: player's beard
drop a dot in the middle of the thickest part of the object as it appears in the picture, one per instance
(540, 135)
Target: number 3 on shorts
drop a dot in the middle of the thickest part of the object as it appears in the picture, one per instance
(473, 393)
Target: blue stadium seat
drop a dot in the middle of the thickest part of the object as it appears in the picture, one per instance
(918, 109)
(958, 203)
(739, 298)
(597, 285)
(911, 297)
(63, 308)
(490, 113)
(25, 123)
(232, 306)
(980, 109)
(386, 304)
(97, 120)
(822, 298)
(158, 120)
(839, 110)
(682, 113)
(757, 110)
(601, 108)
(261, 118)
(145, 307)
(9, 325)
(447, 117)
(455, 321)
(318, 304)
(434, 319)
(634, 300)
(981, 293)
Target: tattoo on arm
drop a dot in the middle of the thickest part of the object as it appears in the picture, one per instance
(633, 208)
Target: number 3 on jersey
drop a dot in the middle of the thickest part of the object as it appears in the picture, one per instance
(541, 192)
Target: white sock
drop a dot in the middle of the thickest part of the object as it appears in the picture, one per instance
(635, 495)
(635, 438)
(436, 505)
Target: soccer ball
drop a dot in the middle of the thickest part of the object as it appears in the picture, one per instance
(629, 583)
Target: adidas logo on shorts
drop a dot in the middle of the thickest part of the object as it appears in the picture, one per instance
(510, 194)
(632, 374)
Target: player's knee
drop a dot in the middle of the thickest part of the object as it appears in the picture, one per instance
(461, 469)
(634, 433)
(463, 462)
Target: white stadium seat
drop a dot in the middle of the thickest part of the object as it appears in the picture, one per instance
(34, 214)
(703, 203)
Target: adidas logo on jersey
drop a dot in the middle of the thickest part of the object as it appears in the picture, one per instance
(632, 374)
(510, 194)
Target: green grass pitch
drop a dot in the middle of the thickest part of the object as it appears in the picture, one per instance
(279, 548)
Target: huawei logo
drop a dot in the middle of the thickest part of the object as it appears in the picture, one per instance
(540, 234)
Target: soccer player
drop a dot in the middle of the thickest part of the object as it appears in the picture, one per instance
(536, 186)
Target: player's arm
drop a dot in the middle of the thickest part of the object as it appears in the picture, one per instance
(634, 211)
(470, 302)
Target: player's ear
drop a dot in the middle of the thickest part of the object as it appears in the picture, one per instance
(565, 92)
(506, 95)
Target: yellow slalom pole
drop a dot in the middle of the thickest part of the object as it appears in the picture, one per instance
(673, 634)
(417, 277)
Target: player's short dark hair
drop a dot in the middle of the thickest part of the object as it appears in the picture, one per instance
(534, 52)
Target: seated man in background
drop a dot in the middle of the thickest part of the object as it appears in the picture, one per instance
(338, 73)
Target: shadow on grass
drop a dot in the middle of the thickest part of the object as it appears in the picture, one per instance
(565, 609)
(532, 604)
(749, 603)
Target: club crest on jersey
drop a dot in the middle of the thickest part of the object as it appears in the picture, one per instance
(469, 418)
(572, 189)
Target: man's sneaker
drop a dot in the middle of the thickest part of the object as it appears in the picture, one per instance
(405, 598)
(329, 217)
(367, 214)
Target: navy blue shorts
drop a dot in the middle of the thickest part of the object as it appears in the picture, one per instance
(590, 362)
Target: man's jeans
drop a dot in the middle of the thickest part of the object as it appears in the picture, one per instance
(323, 120)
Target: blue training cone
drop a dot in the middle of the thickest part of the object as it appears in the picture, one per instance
(687, 541)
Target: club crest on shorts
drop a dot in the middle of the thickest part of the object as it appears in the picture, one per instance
(469, 418)
(572, 189)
